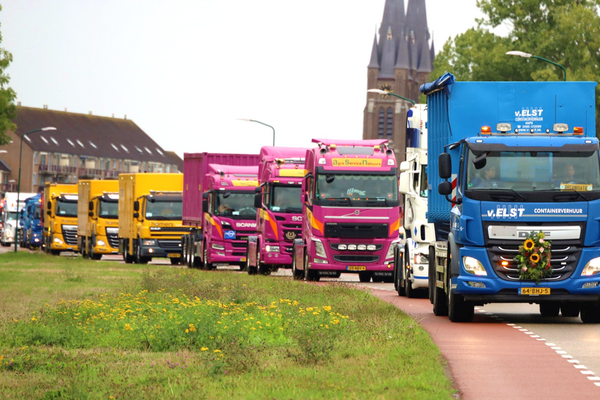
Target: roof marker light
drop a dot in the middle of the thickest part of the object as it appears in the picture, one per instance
(560, 128)
(322, 161)
(578, 130)
(486, 130)
(333, 146)
(503, 127)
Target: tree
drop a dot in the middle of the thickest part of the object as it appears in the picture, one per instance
(564, 31)
(8, 110)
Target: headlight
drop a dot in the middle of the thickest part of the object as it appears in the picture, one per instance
(592, 267)
(362, 247)
(390, 253)
(112, 231)
(100, 243)
(342, 247)
(148, 242)
(271, 249)
(320, 250)
(371, 247)
(351, 247)
(319, 261)
(226, 225)
(473, 266)
(57, 240)
(217, 246)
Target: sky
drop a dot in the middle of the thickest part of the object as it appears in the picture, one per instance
(187, 71)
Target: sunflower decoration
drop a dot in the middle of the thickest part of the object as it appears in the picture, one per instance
(534, 258)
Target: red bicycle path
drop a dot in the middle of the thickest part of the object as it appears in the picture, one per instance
(488, 359)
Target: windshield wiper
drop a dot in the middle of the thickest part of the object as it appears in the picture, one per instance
(498, 193)
(340, 199)
(569, 196)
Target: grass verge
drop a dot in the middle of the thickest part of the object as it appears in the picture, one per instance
(74, 328)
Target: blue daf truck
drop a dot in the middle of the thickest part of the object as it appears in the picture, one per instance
(509, 160)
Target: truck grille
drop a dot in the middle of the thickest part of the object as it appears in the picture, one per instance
(170, 244)
(356, 259)
(239, 244)
(113, 240)
(563, 261)
(70, 236)
(346, 230)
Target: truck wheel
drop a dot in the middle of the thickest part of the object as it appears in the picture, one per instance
(309, 274)
(205, 264)
(431, 273)
(459, 310)
(549, 309)
(139, 259)
(590, 312)
(295, 272)
(410, 292)
(175, 260)
(93, 255)
(128, 258)
(398, 271)
(260, 267)
(251, 270)
(569, 309)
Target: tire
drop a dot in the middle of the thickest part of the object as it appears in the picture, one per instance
(296, 274)
(251, 270)
(569, 309)
(128, 258)
(205, 264)
(410, 292)
(310, 275)
(175, 260)
(459, 310)
(549, 309)
(399, 277)
(590, 312)
(431, 273)
(261, 268)
(364, 277)
(439, 301)
(139, 259)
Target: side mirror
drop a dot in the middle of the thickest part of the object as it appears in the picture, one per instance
(136, 206)
(91, 206)
(49, 205)
(404, 183)
(445, 188)
(205, 202)
(445, 165)
(258, 200)
(136, 215)
(49, 212)
(404, 166)
(91, 214)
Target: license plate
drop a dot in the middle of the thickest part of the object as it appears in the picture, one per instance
(534, 291)
(357, 268)
(174, 255)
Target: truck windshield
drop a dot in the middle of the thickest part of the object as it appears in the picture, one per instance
(286, 199)
(108, 209)
(423, 183)
(11, 216)
(66, 208)
(163, 210)
(235, 204)
(376, 189)
(531, 171)
(37, 212)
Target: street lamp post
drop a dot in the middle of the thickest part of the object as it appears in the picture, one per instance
(262, 123)
(384, 93)
(48, 128)
(529, 55)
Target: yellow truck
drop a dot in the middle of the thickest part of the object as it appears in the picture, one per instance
(150, 226)
(97, 217)
(60, 218)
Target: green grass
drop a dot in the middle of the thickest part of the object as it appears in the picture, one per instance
(79, 329)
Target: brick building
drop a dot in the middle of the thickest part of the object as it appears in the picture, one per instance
(83, 146)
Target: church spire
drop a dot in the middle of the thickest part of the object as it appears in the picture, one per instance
(374, 63)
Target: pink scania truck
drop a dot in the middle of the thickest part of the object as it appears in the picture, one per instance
(351, 211)
(218, 202)
(278, 201)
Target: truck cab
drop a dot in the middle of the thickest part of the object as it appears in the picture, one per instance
(229, 214)
(97, 218)
(32, 222)
(351, 211)
(278, 200)
(60, 220)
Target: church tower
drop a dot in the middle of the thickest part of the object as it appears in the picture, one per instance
(401, 61)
